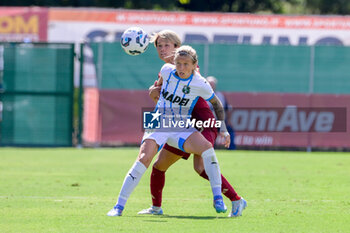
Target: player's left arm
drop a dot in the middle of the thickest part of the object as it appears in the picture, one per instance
(220, 114)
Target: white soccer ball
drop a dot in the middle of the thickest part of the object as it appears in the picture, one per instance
(134, 41)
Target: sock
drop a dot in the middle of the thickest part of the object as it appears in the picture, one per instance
(131, 180)
(212, 169)
(157, 185)
(226, 188)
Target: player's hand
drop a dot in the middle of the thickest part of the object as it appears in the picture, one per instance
(154, 91)
(157, 84)
(227, 139)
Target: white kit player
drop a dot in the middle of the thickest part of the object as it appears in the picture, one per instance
(181, 88)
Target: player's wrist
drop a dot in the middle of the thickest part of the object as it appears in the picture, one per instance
(223, 128)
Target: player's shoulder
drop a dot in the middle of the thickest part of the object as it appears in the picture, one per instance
(200, 79)
(167, 67)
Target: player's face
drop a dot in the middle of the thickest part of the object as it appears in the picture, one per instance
(166, 50)
(184, 66)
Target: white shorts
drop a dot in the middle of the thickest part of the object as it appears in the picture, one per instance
(174, 139)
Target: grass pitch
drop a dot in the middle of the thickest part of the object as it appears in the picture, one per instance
(71, 190)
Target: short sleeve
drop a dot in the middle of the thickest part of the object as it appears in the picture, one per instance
(166, 70)
(207, 92)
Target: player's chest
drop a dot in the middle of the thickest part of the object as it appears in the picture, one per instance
(181, 87)
(179, 93)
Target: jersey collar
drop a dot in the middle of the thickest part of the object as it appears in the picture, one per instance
(183, 79)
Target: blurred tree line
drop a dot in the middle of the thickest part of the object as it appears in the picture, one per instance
(338, 7)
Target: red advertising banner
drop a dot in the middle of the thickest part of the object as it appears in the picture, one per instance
(259, 119)
(27, 24)
(121, 115)
(300, 120)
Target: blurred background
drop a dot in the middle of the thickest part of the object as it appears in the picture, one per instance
(283, 67)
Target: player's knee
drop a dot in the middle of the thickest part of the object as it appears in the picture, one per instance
(205, 146)
(159, 167)
(145, 159)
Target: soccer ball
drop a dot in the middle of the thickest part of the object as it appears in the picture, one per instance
(134, 41)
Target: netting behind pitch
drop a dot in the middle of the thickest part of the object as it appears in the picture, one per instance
(37, 91)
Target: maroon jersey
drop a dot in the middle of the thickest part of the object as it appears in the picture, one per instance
(201, 110)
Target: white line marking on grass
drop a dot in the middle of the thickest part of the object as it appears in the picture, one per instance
(41, 197)
(60, 199)
(294, 200)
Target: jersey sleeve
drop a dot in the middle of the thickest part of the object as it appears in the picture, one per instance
(166, 70)
(207, 92)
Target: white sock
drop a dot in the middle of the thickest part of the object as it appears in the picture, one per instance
(212, 169)
(131, 180)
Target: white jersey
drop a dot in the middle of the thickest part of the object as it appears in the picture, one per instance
(179, 96)
(176, 102)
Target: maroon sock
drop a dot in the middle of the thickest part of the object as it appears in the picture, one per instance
(157, 185)
(226, 188)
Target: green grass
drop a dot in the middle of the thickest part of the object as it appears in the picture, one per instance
(71, 190)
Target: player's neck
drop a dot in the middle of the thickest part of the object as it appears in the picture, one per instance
(170, 60)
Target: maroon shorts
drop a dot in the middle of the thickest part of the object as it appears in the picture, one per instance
(209, 134)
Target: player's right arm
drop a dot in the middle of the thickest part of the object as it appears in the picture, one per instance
(154, 90)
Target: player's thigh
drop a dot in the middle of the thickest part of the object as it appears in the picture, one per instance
(165, 160)
(210, 135)
(148, 150)
(196, 144)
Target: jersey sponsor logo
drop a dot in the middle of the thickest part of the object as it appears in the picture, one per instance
(175, 99)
